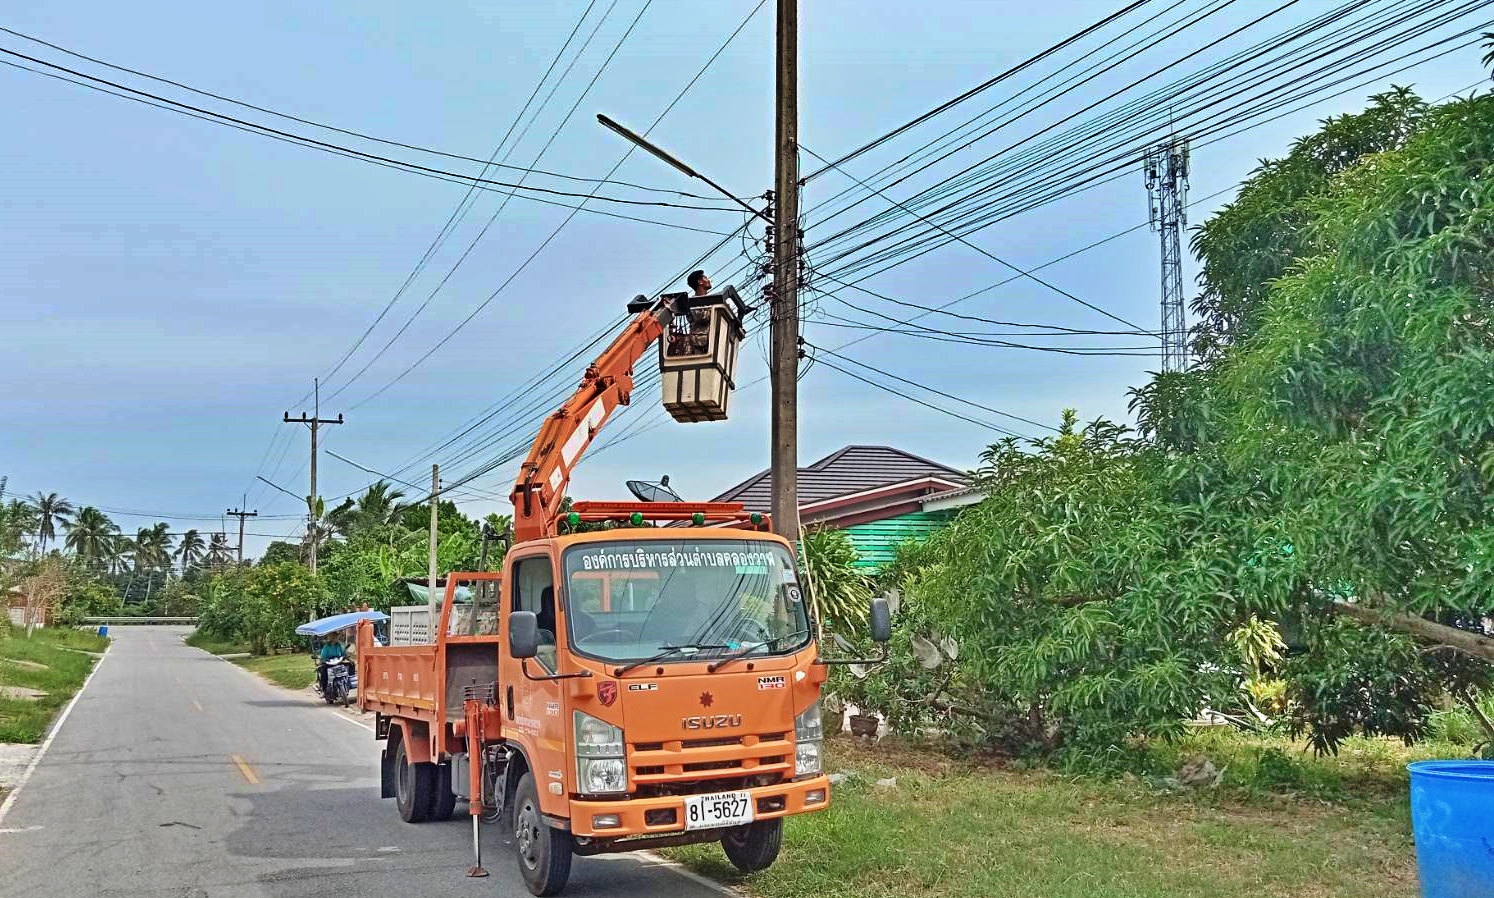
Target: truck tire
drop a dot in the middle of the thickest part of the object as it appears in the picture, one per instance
(443, 800)
(544, 852)
(753, 847)
(413, 784)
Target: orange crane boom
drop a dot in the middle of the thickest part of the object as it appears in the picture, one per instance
(566, 433)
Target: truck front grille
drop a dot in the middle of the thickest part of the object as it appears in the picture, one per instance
(759, 757)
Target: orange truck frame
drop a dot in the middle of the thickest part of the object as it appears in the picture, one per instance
(633, 687)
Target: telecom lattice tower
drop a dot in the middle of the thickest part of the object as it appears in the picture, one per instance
(1167, 194)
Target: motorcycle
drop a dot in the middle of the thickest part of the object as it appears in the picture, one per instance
(341, 680)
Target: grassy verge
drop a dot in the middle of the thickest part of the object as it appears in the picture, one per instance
(952, 829)
(53, 662)
(291, 671)
(215, 646)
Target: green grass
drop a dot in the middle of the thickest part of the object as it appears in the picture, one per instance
(64, 666)
(955, 829)
(213, 646)
(295, 671)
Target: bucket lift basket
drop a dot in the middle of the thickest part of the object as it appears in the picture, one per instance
(698, 356)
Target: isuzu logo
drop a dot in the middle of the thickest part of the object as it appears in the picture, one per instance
(712, 722)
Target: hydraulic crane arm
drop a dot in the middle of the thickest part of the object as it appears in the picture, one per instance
(566, 434)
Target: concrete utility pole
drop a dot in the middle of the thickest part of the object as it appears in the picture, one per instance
(241, 515)
(784, 308)
(315, 421)
(435, 605)
(1166, 167)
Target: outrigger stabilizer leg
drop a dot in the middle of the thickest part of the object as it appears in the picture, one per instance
(472, 710)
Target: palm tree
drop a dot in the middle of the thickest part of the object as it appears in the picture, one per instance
(90, 534)
(51, 510)
(189, 550)
(219, 552)
(119, 550)
(152, 548)
(342, 520)
(380, 504)
(17, 523)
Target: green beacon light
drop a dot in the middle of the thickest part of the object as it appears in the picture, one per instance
(697, 519)
(756, 519)
(573, 519)
(636, 519)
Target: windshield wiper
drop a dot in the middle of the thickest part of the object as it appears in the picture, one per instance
(665, 652)
(747, 650)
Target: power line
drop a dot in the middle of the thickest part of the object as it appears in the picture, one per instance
(987, 253)
(351, 132)
(975, 91)
(459, 213)
(905, 245)
(484, 304)
(903, 380)
(386, 161)
(492, 219)
(1155, 105)
(986, 424)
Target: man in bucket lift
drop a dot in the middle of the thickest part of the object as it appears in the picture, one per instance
(698, 340)
(698, 282)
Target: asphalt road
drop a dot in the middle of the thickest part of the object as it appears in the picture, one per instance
(179, 775)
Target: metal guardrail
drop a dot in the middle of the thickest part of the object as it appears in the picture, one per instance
(142, 621)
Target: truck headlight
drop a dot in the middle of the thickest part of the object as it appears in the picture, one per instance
(599, 755)
(602, 775)
(809, 729)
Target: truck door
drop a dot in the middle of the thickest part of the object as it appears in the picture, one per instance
(534, 708)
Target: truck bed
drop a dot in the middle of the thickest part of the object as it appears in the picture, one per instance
(399, 680)
(424, 682)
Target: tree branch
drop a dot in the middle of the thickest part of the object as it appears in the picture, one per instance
(1473, 708)
(1474, 644)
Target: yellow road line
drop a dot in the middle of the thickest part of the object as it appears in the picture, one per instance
(196, 705)
(246, 770)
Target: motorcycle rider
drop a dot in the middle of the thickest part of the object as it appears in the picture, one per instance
(332, 650)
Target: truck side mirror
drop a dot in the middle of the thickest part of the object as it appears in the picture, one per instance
(523, 634)
(881, 620)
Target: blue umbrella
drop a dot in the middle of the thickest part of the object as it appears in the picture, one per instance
(339, 622)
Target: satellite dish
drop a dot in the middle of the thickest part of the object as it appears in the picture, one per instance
(654, 492)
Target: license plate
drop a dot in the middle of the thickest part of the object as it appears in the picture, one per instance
(718, 810)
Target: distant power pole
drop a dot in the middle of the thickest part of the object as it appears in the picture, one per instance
(241, 515)
(784, 302)
(434, 604)
(315, 421)
(1167, 194)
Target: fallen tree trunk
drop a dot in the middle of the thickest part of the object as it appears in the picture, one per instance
(1475, 644)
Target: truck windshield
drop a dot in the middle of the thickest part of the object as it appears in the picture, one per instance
(628, 600)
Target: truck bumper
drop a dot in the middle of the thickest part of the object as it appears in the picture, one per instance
(635, 814)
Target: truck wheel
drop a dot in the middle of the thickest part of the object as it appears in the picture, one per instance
(753, 847)
(412, 786)
(443, 800)
(544, 852)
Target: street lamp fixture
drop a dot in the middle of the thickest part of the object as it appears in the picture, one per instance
(684, 169)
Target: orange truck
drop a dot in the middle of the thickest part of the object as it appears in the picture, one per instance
(653, 682)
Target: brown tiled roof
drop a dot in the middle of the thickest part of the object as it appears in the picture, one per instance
(851, 470)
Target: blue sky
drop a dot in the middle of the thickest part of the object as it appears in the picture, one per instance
(170, 286)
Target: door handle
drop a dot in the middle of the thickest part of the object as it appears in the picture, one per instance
(510, 697)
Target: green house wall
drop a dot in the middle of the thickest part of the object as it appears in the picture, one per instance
(876, 541)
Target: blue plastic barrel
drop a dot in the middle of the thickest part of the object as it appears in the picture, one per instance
(103, 629)
(1452, 817)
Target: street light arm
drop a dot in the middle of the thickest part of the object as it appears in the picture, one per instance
(661, 154)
